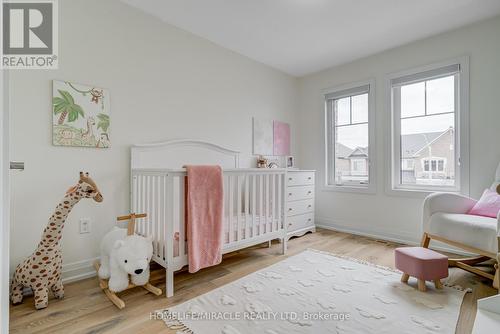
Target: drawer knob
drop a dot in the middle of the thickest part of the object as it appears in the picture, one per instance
(309, 192)
(309, 219)
(289, 224)
(289, 194)
(309, 178)
(290, 209)
(309, 206)
(289, 179)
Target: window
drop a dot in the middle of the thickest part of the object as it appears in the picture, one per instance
(433, 164)
(349, 131)
(408, 164)
(359, 166)
(426, 135)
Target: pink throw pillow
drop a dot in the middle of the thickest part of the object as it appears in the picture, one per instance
(487, 206)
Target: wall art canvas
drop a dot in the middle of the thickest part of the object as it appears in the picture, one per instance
(80, 115)
(281, 138)
(262, 136)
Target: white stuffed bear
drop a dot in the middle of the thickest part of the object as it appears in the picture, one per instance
(123, 255)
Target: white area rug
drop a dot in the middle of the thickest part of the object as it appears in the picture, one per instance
(317, 292)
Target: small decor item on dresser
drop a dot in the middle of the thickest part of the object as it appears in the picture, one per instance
(273, 164)
(125, 259)
(290, 162)
(41, 271)
(80, 115)
(423, 264)
(261, 162)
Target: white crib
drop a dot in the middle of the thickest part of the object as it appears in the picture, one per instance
(254, 200)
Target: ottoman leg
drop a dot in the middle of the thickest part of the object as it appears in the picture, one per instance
(425, 240)
(421, 285)
(405, 278)
(437, 283)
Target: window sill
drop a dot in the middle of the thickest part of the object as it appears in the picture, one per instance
(370, 189)
(417, 193)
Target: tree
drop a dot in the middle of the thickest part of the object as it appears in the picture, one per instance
(103, 122)
(66, 107)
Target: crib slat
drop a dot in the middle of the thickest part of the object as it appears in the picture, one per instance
(182, 216)
(142, 201)
(161, 221)
(261, 206)
(150, 203)
(278, 210)
(273, 200)
(231, 204)
(139, 199)
(247, 199)
(238, 206)
(254, 205)
(176, 214)
(154, 214)
(225, 204)
(266, 203)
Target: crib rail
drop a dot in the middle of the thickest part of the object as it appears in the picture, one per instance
(254, 204)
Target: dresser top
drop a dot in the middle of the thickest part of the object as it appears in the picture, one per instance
(300, 170)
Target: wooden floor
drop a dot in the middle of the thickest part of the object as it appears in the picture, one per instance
(85, 309)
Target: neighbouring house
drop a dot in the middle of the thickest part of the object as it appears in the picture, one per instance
(352, 164)
(426, 158)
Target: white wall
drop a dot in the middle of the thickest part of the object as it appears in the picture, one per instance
(381, 214)
(164, 84)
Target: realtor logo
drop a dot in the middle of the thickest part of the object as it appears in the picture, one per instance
(29, 34)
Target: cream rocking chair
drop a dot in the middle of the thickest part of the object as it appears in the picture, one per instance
(445, 220)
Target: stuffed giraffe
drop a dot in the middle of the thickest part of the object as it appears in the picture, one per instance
(41, 271)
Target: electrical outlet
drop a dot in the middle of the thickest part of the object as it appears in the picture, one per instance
(84, 225)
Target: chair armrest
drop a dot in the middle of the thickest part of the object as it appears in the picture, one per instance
(445, 202)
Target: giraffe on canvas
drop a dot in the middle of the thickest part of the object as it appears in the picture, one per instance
(41, 271)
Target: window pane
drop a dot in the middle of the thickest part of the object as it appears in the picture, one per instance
(413, 100)
(441, 95)
(426, 141)
(351, 154)
(441, 165)
(343, 111)
(360, 108)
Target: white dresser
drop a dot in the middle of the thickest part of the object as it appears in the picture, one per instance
(300, 202)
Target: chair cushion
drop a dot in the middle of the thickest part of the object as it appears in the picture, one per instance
(421, 263)
(475, 231)
(488, 205)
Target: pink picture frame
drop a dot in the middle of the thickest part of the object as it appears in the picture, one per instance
(281, 138)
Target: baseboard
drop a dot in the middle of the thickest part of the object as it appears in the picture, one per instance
(329, 224)
(79, 270)
(74, 271)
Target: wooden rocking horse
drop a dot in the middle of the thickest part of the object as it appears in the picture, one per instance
(103, 283)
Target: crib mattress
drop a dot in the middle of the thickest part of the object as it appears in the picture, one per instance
(245, 232)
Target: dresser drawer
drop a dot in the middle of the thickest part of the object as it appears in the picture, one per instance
(299, 192)
(300, 178)
(300, 207)
(300, 221)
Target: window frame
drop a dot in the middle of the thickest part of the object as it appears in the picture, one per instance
(461, 143)
(329, 149)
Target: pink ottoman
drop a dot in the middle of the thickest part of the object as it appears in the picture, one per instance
(422, 263)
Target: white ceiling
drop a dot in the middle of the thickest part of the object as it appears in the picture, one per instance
(305, 36)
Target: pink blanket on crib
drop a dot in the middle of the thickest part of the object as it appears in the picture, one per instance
(204, 198)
